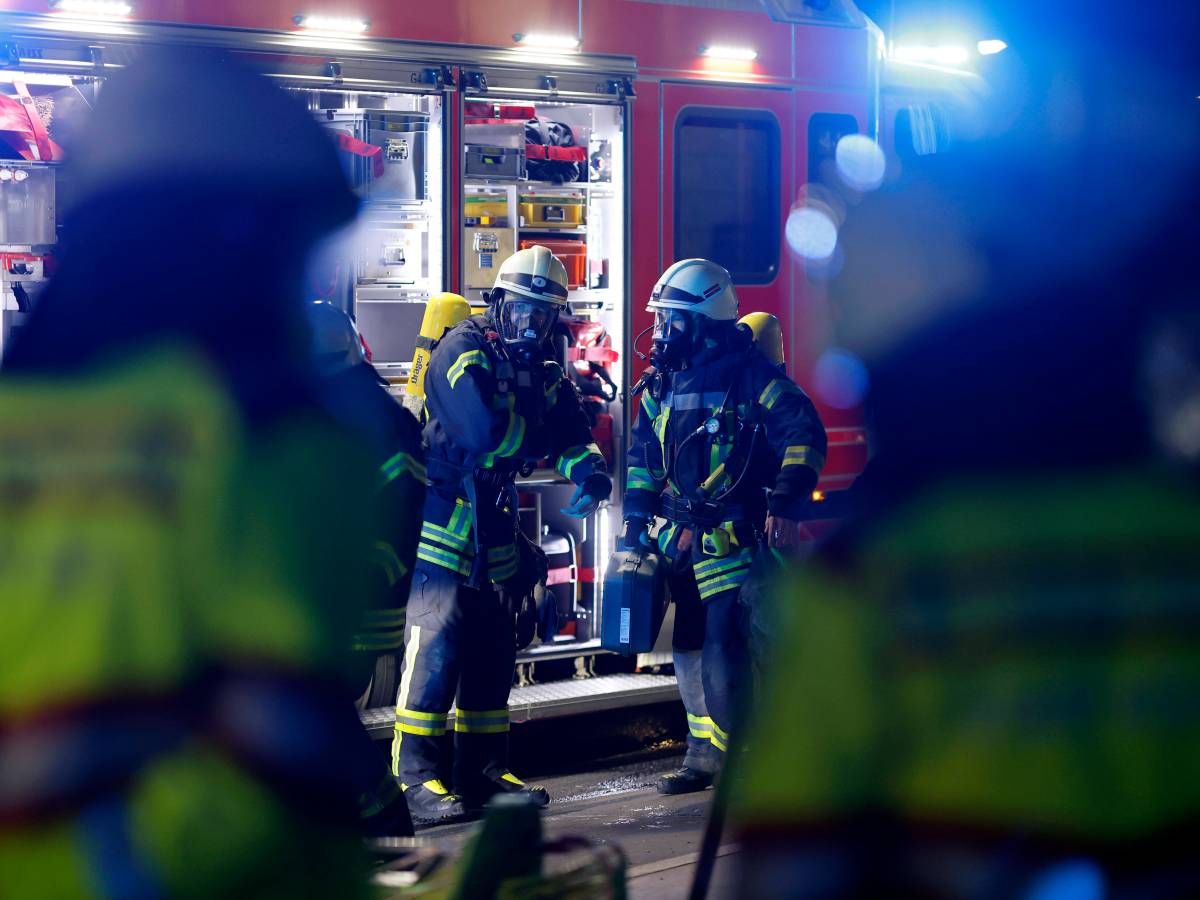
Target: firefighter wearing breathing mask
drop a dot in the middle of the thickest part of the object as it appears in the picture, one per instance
(725, 453)
(496, 404)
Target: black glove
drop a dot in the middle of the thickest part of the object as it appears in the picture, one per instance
(635, 535)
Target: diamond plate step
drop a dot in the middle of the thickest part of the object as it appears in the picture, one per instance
(561, 698)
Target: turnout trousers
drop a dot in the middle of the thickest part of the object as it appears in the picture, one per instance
(459, 650)
(710, 649)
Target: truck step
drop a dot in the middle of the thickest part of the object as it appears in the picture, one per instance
(560, 698)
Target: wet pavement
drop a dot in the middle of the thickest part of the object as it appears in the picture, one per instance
(660, 835)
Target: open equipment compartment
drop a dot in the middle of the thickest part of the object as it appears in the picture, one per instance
(383, 101)
(39, 110)
(544, 161)
(384, 268)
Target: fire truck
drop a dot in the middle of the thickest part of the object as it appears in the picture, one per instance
(624, 134)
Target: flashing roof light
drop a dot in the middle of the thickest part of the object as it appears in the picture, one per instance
(744, 54)
(991, 47)
(547, 41)
(942, 55)
(332, 24)
(92, 8)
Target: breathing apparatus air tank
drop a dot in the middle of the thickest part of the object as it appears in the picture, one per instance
(768, 335)
(443, 311)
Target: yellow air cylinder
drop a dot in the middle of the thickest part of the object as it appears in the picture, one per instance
(443, 311)
(768, 335)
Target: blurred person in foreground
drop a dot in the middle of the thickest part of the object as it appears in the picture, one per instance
(986, 685)
(185, 529)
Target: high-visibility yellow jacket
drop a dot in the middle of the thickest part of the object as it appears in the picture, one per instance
(180, 588)
(1003, 656)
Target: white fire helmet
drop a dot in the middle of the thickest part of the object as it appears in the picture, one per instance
(697, 286)
(535, 273)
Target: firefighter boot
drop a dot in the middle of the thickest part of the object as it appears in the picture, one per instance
(496, 780)
(432, 804)
(685, 780)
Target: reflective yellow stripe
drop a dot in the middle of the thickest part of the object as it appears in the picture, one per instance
(484, 713)
(640, 479)
(513, 435)
(709, 567)
(803, 456)
(392, 617)
(491, 721)
(378, 642)
(772, 392)
(512, 779)
(438, 557)
(399, 464)
(387, 559)
(500, 554)
(700, 726)
(470, 358)
(443, 535)
(410, 661)
(724, 583)
(649, 405)
(415, 721)
(460, 520)
(573, 456)
(666, 537)
(421, 714)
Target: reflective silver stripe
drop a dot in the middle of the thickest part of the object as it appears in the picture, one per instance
(696, 400)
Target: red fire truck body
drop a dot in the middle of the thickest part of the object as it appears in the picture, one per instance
(705, 122)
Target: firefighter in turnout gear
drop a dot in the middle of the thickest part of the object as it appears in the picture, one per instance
(495, 405)
(720, 425)
(357, 397)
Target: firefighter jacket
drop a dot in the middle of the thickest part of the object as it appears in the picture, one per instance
(358, 399)
(175, 635)
(762, 433)
(488, 418)
(1005, 659)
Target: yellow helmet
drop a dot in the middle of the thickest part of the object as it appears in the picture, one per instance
(768, 335)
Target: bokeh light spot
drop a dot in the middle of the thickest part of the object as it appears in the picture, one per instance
(840, 379)
(811, 233)
(860, 162)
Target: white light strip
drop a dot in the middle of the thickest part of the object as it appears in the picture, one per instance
(113, 8)
(746, 54)
(991, 47)
(942, 55)
(332, 24)
(548, 41)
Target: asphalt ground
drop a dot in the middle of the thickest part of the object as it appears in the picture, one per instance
(659, 835)
(600, 771)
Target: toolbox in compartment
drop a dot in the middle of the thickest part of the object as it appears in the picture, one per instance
(553, 210)
(485, 249)
(383, 151)
(389, 319)
(395, 255)
(495, 162)
(486, 209)
(572, 253)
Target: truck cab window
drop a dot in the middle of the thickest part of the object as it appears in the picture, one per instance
(727, 205)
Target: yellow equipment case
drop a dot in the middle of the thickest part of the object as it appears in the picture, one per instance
(553, 210)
